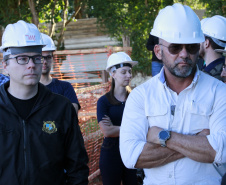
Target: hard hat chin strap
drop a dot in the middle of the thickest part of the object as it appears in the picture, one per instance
(119, 66)
(122, 65)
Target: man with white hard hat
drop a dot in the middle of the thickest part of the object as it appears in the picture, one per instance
(171, 128)
(40, 137)
(214, 29)
(57, 86)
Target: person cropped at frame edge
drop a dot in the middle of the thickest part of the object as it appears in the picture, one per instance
(40, 136)
(171, 127)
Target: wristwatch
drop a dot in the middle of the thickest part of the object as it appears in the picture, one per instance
(164, 135)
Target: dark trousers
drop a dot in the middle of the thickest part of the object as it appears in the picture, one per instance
(112, 169)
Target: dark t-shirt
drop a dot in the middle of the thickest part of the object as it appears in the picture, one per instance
(63, 88)
(115, 112)
(23, 107)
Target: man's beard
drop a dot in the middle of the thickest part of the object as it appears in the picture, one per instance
(181, 72)
(45, 72)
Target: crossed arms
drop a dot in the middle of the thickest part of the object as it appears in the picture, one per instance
(107, 128)
(139, 144)
(194, 147)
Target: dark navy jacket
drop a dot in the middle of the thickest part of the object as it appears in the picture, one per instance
(215, 68)
(39, 149)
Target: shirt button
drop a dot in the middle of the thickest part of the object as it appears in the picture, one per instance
(170, 175)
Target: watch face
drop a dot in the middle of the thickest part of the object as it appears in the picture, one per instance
(164, 135)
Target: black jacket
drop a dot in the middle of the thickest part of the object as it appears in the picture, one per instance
(152, 41)
(35, 151)
(215, 68)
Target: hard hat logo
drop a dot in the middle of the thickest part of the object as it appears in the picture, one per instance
(21, 34)
(30, 38)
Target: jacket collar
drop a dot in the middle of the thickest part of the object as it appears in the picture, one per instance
(44, 97)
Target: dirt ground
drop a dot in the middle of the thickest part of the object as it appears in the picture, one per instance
(96, 181)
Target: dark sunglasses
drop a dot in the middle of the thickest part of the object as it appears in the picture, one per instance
(177, 48)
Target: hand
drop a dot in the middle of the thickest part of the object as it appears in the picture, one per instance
(153, 134)
(204, 132)
(106, 121)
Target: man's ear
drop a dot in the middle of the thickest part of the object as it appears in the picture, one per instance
(4, 66)
(206, 43)
(158, 51)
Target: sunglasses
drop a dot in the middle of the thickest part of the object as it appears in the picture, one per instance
(177, 48)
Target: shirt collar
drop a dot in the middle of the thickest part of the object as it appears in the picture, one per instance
(161, 76)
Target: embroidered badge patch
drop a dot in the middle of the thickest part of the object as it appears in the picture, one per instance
(49, 127)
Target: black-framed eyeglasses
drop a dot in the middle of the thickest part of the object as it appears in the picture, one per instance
(24, 59)
(47, 58)
(177, 48)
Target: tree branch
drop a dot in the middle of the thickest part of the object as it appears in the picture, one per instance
(74, 14)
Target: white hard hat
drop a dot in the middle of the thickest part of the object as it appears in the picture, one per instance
(215, 27)
(203, 21)
(178, 24)
(119, 58)
(21, 34)
(50, 46)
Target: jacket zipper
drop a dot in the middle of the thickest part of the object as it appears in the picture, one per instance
(25, 152)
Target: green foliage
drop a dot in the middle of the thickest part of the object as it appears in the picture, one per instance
(47, 11)
(11, 11)
(194, 4)
(116, 17)
(135, 19)
(131, 18)
(215, 7)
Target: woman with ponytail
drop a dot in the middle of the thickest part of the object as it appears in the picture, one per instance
(109, 114)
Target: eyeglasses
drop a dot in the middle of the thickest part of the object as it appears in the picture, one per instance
(22, 60)
(177, 48)
(47, 58)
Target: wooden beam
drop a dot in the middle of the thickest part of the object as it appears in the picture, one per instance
(95, 50)
(104, 76)
(83, 80)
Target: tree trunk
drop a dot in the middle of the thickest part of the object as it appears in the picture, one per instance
(33, 12)
(125, 41)
(59, 41)
(146, 3)
(65, 23)
(52, 24)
